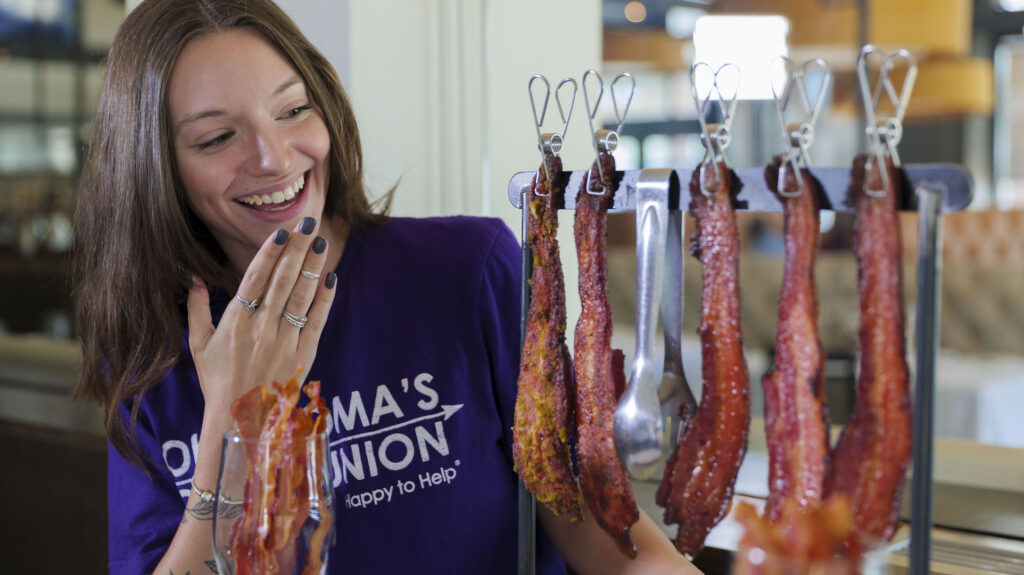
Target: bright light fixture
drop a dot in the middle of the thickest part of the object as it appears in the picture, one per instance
(749, 42)
(1012, 5)
(680, 20)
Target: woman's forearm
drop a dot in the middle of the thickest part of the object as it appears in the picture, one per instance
(590, 551)
(191, 549)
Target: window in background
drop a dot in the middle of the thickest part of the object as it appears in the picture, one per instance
(751, 43)
(1009, 123)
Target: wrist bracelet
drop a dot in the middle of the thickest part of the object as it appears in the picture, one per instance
(209, 496)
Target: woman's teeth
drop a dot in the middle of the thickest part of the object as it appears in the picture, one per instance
(278, 197)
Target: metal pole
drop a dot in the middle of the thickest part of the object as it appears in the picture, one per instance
(527, 503)
(929, 289)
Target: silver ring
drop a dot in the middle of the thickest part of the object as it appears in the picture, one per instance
(249, 305)
(310, 275)
(297, 321)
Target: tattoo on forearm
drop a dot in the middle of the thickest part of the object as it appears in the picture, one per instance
(230, 511)
(212, 565)
(202, 510)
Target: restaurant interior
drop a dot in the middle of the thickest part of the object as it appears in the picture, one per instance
(455, 145)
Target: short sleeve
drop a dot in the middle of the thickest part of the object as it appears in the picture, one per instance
(500, 310)
(144, 510)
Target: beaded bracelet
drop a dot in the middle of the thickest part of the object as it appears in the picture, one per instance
(209, 496)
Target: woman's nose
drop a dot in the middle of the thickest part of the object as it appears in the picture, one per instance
(270, 153)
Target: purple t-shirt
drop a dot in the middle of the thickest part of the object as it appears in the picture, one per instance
(418, 362)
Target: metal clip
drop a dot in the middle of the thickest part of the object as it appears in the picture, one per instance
(551, 143)
(798, 137)
(715, 137)
(605, 141)
(887, 130)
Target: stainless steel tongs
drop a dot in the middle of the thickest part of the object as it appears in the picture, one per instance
(675, 396)
(639, 426)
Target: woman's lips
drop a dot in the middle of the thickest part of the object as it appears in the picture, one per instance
(279, 200)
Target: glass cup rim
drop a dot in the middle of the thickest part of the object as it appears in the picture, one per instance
(234, 436)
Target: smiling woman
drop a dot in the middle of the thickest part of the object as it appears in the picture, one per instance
(224, 241)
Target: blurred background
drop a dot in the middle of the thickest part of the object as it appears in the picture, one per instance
(440, 91)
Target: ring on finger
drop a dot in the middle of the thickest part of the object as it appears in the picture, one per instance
(310, 275)
(297, 321)
(249, 305)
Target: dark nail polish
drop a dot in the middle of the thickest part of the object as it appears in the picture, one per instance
(331, 278)
(281, 237)
(319, 245)
(307, 225)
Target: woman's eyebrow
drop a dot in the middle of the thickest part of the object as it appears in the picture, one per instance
(287, 84)
(202, 114)
(196, 116)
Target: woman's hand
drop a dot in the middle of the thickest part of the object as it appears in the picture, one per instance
(255, 345)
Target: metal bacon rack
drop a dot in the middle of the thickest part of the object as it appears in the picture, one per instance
(660, 202)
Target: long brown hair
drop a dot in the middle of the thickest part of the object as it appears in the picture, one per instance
(137, 243)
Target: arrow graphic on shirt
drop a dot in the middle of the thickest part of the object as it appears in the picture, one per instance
(446, 412)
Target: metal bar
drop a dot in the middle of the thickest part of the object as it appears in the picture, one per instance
(754, 195)
(929, 288)
(527, 503)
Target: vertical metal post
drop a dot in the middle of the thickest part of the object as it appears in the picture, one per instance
(929, 289)
(527, 503)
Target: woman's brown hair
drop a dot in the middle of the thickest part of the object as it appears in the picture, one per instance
(137, 243)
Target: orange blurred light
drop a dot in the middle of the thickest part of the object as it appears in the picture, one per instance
(636, 12)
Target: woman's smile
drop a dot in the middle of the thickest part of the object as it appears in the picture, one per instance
(278, 200)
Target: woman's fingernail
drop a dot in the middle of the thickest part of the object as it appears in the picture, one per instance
(319, 245)
(280, 237)
(307, 226)
(331, 278)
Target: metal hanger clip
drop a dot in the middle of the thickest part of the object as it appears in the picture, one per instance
(715, 137)
(798, 136)
(550, 143)
(605, 141)
(884, 132)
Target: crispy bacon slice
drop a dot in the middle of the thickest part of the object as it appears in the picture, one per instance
(603, 480)
(869, 462)
(799, 540)
(795, 420)
(278, 489)
(544, 412)
(699, 476)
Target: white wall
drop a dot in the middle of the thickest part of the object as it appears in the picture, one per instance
(440, 93)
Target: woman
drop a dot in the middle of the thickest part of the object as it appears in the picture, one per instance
(224, 240)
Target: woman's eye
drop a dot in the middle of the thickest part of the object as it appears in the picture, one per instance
(214, 141)
(296, 111)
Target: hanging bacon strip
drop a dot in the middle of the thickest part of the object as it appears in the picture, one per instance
(699, 475)
(870, 459)
(795, 419)
(544, 411)
(282, 479)
(603, 480)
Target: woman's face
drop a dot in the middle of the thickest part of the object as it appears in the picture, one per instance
(250, 145)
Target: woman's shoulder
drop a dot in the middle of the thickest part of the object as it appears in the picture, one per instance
(472, 237)
(446, 228)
